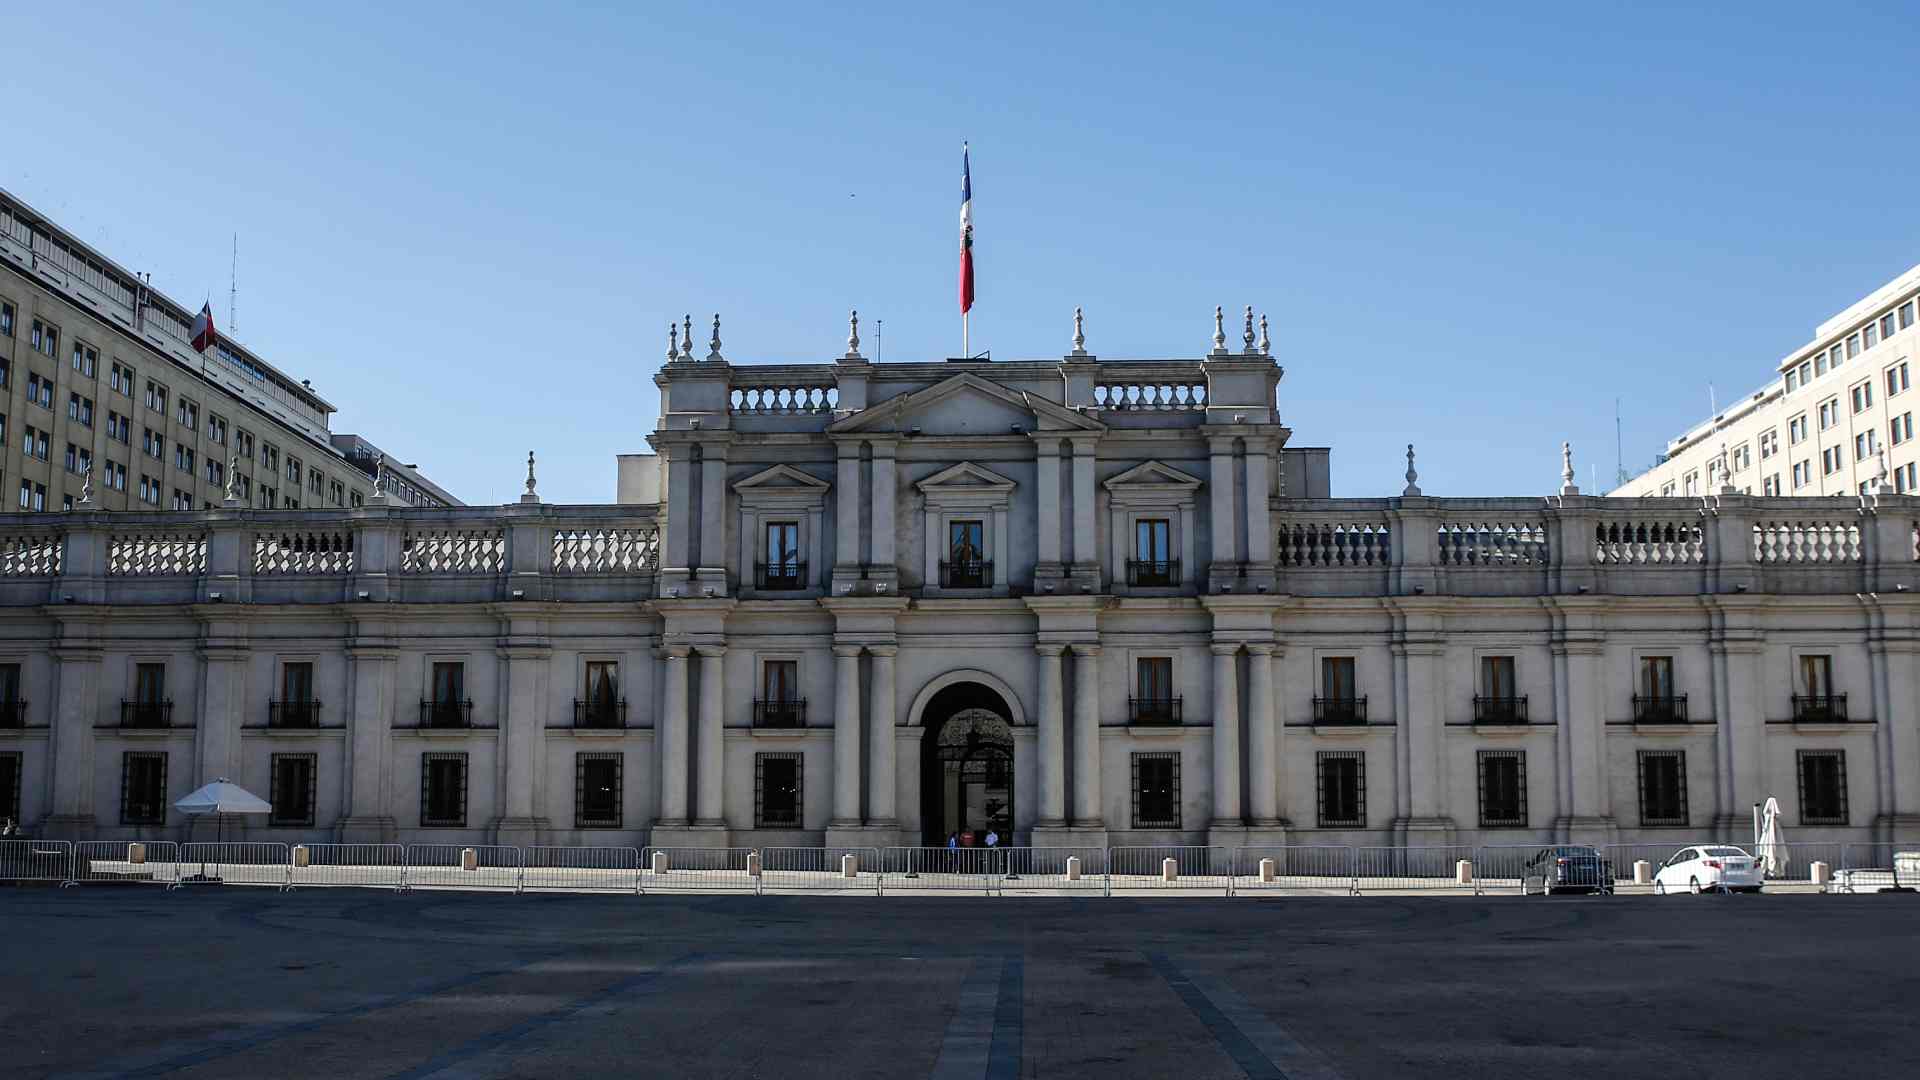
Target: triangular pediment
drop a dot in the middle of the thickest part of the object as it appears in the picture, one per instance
(966, 476)
(1153, 474)
(784, 478)
(965, 404)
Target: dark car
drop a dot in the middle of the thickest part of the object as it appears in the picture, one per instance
(1567, 868)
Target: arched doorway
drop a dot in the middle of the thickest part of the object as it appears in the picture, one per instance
(966, 765)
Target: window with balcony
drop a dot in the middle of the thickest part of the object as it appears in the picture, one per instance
(296, 706)
(598, 801)
(149, 706)
(448, 706)
(143, 787)
(1342, 789)
(1503, 789)
(777, 791)
(1154, 701)
(1663, 787)
(1499, 700)
(780, 704)
(443, 791)
(1654, 701)
(602, 707)
(966, 566)
(292, 783)
(1816, 701)
(1339, 701)
(782, 569)
(1153, 562)
(1156, 790)
(1823, 786)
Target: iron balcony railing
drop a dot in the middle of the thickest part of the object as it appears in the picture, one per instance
(1163, 712)
(1340, 710)
(967, 574)
(780, 577)
(790, 713)
(146, 714)
(1499, 710)
(1149, 573)
(1667, 709)
(293, 714)
(600, 713)
(1819, 708)
(13, 714)
(446, 714)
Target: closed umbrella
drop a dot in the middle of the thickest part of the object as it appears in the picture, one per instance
(1770, 840)
(222, 797)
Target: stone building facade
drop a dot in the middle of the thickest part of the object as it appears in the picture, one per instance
(1078, 601)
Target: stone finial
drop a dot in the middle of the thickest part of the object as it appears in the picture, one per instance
(686, 339)
(1567, 486)
(1219, 332)
(1079, 333)
(1266, 343)
(673, 342)
(531, 496)
(1413, 477)
(853, 335)
(1878, 485)
(1246, 333)
(379, 479)
(86, 489)
(713, 343)
(233, 479)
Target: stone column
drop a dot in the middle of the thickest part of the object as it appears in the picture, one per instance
(1226, 735)
(671, 736)
(523, 743)
(1582, 742)
(371, 673)
(1263, 739)
(1422, 723)
(709, 794)
(222, 706)
(76, 710)
(846, 736)
(1053, 749)
(882, 718)
(1047, 503)
(1086, 736)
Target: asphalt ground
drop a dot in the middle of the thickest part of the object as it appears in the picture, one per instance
(231, 982)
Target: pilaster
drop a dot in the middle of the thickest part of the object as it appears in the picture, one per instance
(526, 655)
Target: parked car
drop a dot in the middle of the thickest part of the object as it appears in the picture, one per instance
(1709, 867)
(1567, 868)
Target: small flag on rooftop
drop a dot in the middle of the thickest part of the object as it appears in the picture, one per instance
(966, 232)
(203, 333)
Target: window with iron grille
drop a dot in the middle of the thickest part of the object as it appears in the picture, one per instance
(597, 802)
(1342, 788)
(143, 788)
(443, 790)
(1823, 786)
(778, 794)
(293, 787)
(1663, 787)
(10, 786)
(1156, 791)
(1503, 789)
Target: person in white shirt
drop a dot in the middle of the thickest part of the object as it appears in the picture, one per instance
(993, 838)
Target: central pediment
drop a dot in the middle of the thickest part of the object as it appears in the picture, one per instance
(965, 404)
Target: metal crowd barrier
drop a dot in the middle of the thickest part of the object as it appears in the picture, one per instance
(463, 866)
(580, 869)
(1068, 869)
(371, 866)
(1870, 868)
(1169, 867)
(804, 869)
(37, 860)
(235, 862)
(151, 862)
(696, 869)
(918, 869)
(1321, 869)
(1397, 869)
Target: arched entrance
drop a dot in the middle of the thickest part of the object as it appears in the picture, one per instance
(966, 765)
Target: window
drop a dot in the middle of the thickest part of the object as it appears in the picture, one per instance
(270, 457)
(182, 459)
(1499, 700)
(967, 566)
(34, 443)
(1830, 461)
(46, 339)
(1153, 562)
(1900, 428)
(1342, 788)
(1906, 478)
(293, 789)
(79, 459)
(1906, 315)
(1690, 484)
(1802, 473)
(1853, 346)
(1156, 791)
(602, 705)
(296, 682)
(1863, 397)
(156, 397)
(1336, 677)
(1496, 677)
(6, 320)
(1154, 701)
(780, 702)
(777, 791)
(216, 429)
(149, 489)
(154, 444)
(1897, 379)
(1816, 675)
(1793, 381)
(189, 414)
(1866, 444)
(10, 786)
(1806, 373)
(243, 442)
(119, 428)
(115, 475)
(1886, 326)
(1797, 429)
(1663, 787)
(313, 481)
(443, 790)
(33, 497)
(293, 472)
(783, 567)
(1503, 789)
(1829, 413)
(1770, 485)
(1656, 677)
(39, 391)
(1742, 457)
(121, 379)
(86, 360)
(1823, 786)
(1769, 444)
(1869, 336)
(449, 707)
(597, 800)
(10, 703)
(143, 788)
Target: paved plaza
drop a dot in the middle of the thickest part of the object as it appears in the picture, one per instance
(230, 982)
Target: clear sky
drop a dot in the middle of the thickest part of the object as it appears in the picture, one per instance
(469, 225)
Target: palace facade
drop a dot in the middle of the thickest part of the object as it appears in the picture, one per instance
(1077, 601)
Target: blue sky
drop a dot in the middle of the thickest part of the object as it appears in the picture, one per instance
(1470, 232)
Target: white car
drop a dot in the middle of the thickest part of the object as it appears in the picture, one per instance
(1707, 867)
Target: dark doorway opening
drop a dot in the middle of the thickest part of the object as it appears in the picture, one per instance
(966, 766)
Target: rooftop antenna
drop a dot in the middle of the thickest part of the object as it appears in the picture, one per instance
(879, 327)
(1619, 456)
(233, 287)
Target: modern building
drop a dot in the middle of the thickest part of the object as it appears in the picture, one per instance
(1837, 411)
(97, 378)
(1079, 600)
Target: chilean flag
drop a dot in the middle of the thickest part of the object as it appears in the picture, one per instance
(203, 332)
(966, 232)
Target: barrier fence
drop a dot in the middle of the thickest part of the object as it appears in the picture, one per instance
(1536, 869)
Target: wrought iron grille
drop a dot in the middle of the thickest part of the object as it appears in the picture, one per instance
(293, 714)
(1499, 710)
(293, 787)
(967, 574)
(143, 787)
(1153, 712)
(780, 714)
(1339, 710)
(1671, 709)
(1156, 791)
(598, 790)
(1150, 573)
(1823, 786)
(1341, 792)
(443, 790)
(779, 812)
(1503, 789)
(1663, 787)
(780, 577)
(146, 714)
(1819, 708)
(600, 713)
(446, 714)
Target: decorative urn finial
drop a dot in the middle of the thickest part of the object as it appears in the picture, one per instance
(713, 343)
(673, 342)
(1246, 333)
(1413, 478)
(686, 339)
(1079, 333)
(853, 334)
(1219, 332)
(1266, 343)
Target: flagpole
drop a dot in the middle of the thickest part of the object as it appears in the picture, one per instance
(964, 354)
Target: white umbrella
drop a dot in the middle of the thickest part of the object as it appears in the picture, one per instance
(223, 796)
(1770, 842)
